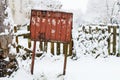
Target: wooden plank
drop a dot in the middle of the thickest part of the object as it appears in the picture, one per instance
(118, 55)
(27, 50)
(97, 29)
(29, 43)
(16, 39)
(69, 28)
(109, 31)
(52, 48)
(25, 35)
(63, 27)
(58, 48)
(17, 48)
(114, 40)
(15, 29)
(65, 47)
(70, 48)
(45, 46)
(90, 28)
(41, 45)
(49, 24)
(58, 28)
(28, 28)
(33, 25)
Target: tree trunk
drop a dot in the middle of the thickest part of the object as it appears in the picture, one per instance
(3, 6)
(5, 40)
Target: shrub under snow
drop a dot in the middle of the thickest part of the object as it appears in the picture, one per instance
(91, 40)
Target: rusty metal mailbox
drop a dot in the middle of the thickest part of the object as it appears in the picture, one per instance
(51, 26)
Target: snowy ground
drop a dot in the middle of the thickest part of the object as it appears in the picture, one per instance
(85, 68)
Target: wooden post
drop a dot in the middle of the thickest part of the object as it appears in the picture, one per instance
(33, 57)
(28, 28)
(52, 48)
(109, 31)
(15, 29)
(45, 46)
(29, 43)
(114, 39)
(58, 48)
(119, 43)
(96, 29)
(65, 58)
(70, 47)
(90, 30)
(41, 46)
(17, 48)
(65, 48)
(29, 40)
(16, 39)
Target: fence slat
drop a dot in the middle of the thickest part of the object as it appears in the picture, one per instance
(16, 39)
(90, 29)
(70, 48)
(109, 31)
(29, 40)
(58, 48)
(45, 46)
(114, 40)
(52, 48)
(29, 43)
(65, 48)
(28, 28)
(41, 46)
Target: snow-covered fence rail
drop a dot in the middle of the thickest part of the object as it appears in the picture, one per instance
(19, 34)
(99, 39)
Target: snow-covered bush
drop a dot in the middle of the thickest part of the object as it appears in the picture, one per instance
(92, 41)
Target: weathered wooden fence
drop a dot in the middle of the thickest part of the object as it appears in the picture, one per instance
(113, 37)
(112, 41)
(43, 46)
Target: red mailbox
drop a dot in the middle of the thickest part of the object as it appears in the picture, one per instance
(51, 26)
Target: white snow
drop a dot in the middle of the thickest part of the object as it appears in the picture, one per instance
(85, 68)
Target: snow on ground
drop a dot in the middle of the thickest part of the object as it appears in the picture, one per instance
(85, 68)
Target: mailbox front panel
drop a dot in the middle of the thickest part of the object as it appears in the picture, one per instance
(50, 26)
